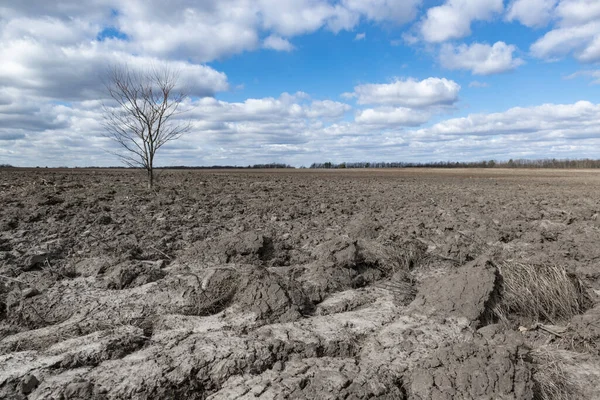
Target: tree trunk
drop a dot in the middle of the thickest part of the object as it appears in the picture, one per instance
(150, 178)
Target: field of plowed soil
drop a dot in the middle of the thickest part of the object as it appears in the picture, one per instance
(300, 284)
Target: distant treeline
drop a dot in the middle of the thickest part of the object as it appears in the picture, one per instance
(520, 163)
(255, 166)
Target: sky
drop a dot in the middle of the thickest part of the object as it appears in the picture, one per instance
(303, 81)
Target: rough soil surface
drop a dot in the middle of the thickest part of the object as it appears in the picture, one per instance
(290, 284)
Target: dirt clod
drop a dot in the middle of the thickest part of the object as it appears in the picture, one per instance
(29, 292)
(28, 384)
(477, 370)
(470, 291)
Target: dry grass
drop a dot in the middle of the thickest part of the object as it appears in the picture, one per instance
(392, 257)
(551, 379)
(540, 292)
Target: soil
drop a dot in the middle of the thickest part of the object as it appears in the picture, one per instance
(290, 284)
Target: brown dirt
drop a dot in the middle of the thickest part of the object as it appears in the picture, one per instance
(291, 284)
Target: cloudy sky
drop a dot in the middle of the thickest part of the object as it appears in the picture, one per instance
(302, 81)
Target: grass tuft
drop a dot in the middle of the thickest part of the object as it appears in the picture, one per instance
(552, 382)
(540, 292)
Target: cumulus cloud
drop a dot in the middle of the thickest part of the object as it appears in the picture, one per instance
(532, 13)
(360, 36)
(294, 17)
(67, 73)
(275, 42)
(453, 19)
(573, 121)
(409, 93)
(577, 32)
(289, 18)
(390, 116)
(480, 58)
(577, 12)
(296, 106)
(327, 109)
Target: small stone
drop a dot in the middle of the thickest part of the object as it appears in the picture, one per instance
(28, 384)
(34, 259)
(278, 366)
(259, 389)
(79, 390)
(29, 292)
(104, 219)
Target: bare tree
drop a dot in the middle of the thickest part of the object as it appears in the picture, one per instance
(145, 116)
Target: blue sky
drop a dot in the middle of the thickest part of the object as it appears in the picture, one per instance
(302, 81)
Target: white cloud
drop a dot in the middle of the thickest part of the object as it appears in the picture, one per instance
(294, 17)
(393, 117)
(452, 20)
(477, 84)
(396, 11)
(202, 31)
(583, 41)
(50, 29)
(577, 32)
(74, 73)
(576, 120)
(360, 36)
(327, 109)
(480, 59)
(274, 42)
(264, 109)
(594, 75)
(408, 38)
(577, 12)
(409, 93)
(532, 13)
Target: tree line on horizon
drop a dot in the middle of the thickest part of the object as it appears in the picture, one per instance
(518, 163)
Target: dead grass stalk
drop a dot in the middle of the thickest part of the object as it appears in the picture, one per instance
(540, 292)
(551, 378)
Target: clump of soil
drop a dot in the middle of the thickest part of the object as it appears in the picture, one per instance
(270, 297)
(131, 274)
(471, 291)
(343, 263)
(475, 370)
